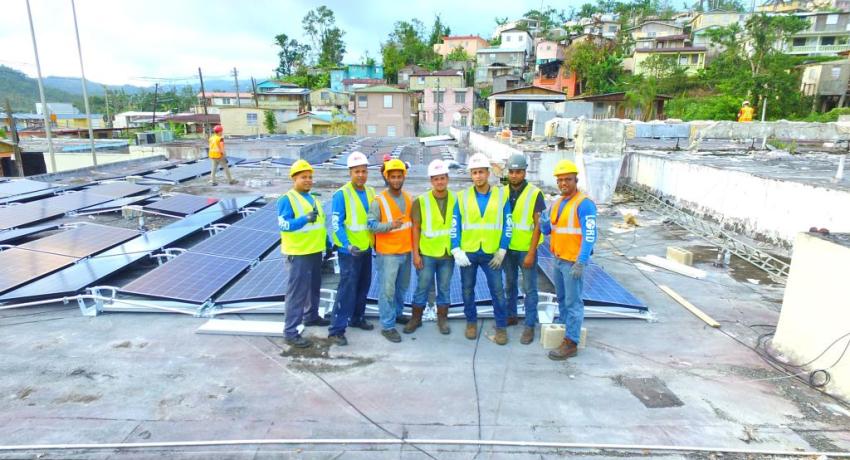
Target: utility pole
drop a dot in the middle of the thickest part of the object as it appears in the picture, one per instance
(85, 90)
(254, 87)
(155, 93)
(236, 80)
(203, 100)
(19, 161)
(45, 110)
(108, 117)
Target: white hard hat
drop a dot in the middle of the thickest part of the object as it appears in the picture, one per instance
(746, 102)
(478, 161)
(437, 168)
(357, 159)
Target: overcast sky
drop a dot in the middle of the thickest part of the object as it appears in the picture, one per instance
(135, 41)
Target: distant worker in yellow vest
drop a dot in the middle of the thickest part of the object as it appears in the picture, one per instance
(526, 206)
(217, 156)
(432, 216)
(484, 234)
(571, 224)
(303, 238)
(389, 220)
(350, 208)
(746, 112)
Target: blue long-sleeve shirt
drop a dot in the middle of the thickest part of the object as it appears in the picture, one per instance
(286, 219)
(507, 221)
(587, 219)
(339, 214)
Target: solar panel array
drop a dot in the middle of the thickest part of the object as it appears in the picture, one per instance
(266, 281)
(181, 204)
(118, 189)
(482, 292)
(18, 266)
(82, 241)
(48, 208)
(190, 277)
(187, 171)
(9, 236)
(240, 243)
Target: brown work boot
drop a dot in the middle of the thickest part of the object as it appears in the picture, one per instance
(527, 335)
(471, 331)
(415, 320)
(568, 349)
(501, 337)
(443, 320)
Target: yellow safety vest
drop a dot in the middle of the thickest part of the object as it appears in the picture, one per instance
(523, 218)
(308, 239)
(481, 232)
(435, 230)
(215, 147)
(355, 218)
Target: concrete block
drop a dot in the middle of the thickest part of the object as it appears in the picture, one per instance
(551, 335)
(677, 254)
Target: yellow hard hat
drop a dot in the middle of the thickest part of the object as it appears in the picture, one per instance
(299, 166)
(395, 165)
(565, 167)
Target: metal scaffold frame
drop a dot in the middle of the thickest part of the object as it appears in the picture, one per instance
(715, 234)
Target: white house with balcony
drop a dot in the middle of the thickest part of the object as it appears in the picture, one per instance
(517, 39)
(828, 33)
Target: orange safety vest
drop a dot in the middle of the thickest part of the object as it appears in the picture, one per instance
(216, 150)
(566, 229)
(746, 114)
(399, 240)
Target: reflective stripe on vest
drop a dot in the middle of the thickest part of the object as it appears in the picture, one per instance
(481, 232)
(355, 217)
(523, 218)
(308, 239)
(435, 235)
(399, 240)
(566, 228)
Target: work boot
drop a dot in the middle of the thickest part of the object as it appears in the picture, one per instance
(527, 335)
(513, 321)
(501, 337)
(443, 320)
(213, 183)
(298, 342)
(338, 340)
(362, 324)
(471, 331)
(568, 349)
(233, 182)
(415, 320)
(392, 335)
(319, 321)
(402, 319)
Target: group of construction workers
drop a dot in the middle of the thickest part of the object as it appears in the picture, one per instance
(496, 229)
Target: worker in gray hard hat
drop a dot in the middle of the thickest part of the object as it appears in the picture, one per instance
(526, 205)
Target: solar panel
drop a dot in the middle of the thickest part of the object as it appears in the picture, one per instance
(17, 266)
(118, 189)
(262, 219)
(82, 241)
(190, 277)
(181, 205)
(24, 214)
(266, 281)
(241, 243)
(9, 236)
(270, 206)
(274, 254)
(21, 186)
(188, 171)
(119, 203)
(72, 201)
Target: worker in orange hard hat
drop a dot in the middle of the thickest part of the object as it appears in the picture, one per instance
(217, 156)
(571, 224)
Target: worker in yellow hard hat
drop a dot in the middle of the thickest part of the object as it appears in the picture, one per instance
(303, 238)
(389, 220)
(745, 115)
(571, 224)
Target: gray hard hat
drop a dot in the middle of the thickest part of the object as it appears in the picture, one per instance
(517, 161)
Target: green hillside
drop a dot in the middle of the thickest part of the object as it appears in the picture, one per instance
(22, 91)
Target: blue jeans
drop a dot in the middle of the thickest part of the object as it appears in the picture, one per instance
(512, 265)
(443, 268)
(570, 303)
(494, 283)
(394, 279)
(355, 276)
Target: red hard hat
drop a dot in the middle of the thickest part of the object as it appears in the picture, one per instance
(218, 128)
(387, 157)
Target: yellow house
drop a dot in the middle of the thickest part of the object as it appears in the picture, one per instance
(76, 120)
(7, 149)
(326, 97)
(316, 122)
(242, 121)
(445, 78)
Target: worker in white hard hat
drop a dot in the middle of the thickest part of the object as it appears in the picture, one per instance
(303, 238)
(350, 209)
(745, 115)
(484, 234)
(432, 216)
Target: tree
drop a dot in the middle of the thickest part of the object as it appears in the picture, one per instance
(438, 31)
(458, 54)
(326, 38)
(598, 66)
(481, 117)
(269, 121)
(340, 126)
(406, 45)
(291, 54)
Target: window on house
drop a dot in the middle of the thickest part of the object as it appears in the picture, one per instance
(391, 131)
(438, 97)
(799, 42)
(695, 59)
(463, 120)
(827, 41)
(420, 80)
(520, 38)
(225, 100)
(836, 72)
(363, 101)
(325, 96)
(460, 98)
(548, 47)
(251, 119)
(683, 60)
(831, 19)
(388, 101)
(612, 28)
(507, 38)
(492, 56)
(371, 129)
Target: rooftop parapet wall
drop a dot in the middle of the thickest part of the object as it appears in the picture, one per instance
(800, 131)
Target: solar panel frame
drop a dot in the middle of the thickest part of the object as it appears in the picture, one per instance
(266, 281)
(82, 241)
(190, 277)
(236, 242)
(9, 236)
(19, 266)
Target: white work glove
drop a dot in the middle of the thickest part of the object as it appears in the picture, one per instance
(497, 259)
(460, 258)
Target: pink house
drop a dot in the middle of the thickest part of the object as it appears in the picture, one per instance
(449, 107)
